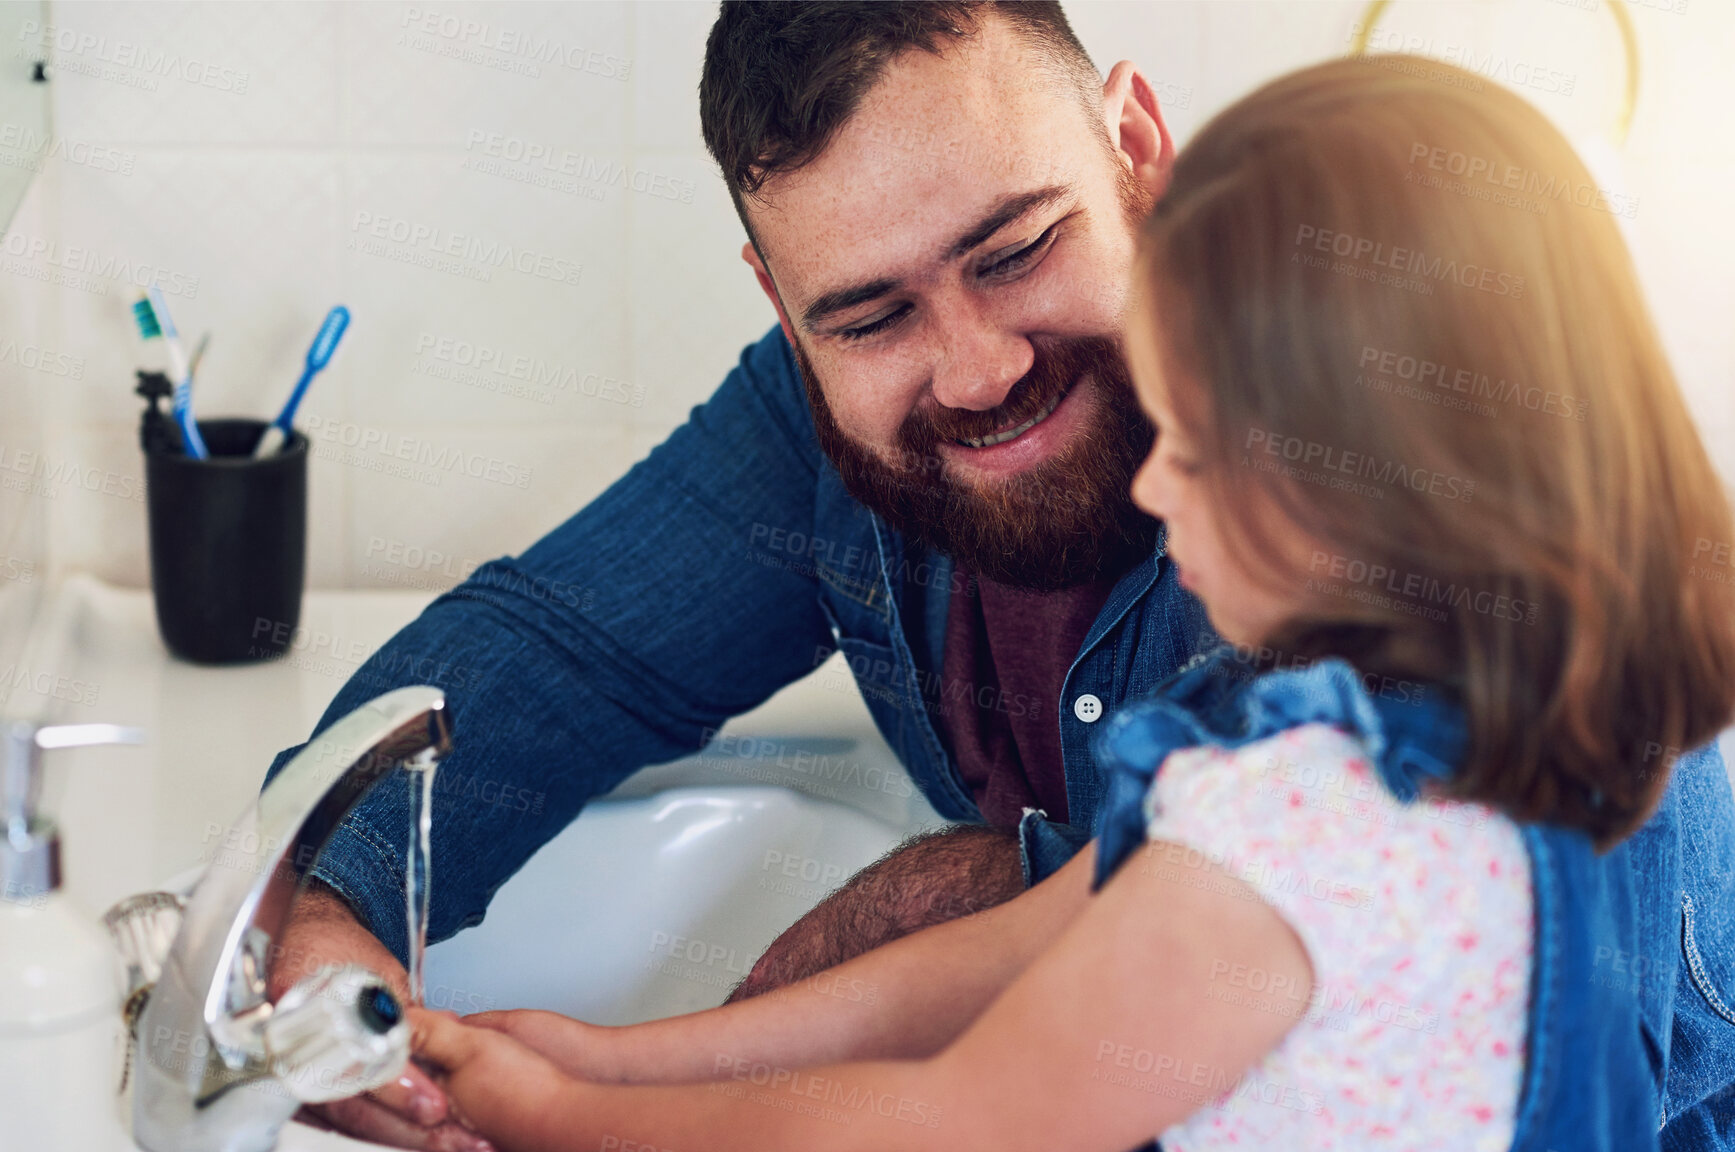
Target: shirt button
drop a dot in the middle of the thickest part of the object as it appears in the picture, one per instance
(1087, 708)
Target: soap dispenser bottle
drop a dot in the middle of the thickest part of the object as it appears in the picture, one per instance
(60, 1022)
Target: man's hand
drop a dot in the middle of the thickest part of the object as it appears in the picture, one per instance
(411, 1112)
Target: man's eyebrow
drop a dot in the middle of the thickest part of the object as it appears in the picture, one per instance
(1010, 208)
(843, 298)
(1004, 212)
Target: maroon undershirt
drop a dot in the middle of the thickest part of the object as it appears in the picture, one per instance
(1005, 661)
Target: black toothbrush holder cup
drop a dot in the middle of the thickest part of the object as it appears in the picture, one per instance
(228, 543)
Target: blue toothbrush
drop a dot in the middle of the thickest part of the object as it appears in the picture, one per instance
(152, 316)
(277, 433)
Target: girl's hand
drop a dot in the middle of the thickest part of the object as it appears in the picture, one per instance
(578, 1049)
(497, 1085)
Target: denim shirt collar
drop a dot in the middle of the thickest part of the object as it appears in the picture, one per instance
(1412, 731)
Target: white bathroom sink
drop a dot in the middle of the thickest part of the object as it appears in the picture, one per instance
(656, 901)
(648, 908)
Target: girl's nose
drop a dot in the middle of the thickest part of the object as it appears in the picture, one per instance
(1148, 488)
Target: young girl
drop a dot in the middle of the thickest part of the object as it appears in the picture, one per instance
(1420, 455)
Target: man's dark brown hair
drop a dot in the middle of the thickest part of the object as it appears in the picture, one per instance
(782, 76)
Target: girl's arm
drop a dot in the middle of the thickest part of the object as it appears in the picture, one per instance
(1108, 1037)
(904, 1000)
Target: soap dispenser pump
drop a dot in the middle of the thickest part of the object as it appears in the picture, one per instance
(60, 1023)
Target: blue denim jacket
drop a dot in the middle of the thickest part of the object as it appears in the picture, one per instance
(729, 563)
(1588, 1079)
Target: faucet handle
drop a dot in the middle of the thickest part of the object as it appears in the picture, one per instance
(335, 1034)
(143, 928)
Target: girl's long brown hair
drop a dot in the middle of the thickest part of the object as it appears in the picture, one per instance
(1404, 317)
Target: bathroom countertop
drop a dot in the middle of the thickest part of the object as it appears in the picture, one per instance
(133, 817)
(680, 852)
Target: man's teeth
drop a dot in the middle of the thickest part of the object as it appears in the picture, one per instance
(1002, 437)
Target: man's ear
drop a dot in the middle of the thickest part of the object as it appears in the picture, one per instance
(751, 254)
(1136, 129)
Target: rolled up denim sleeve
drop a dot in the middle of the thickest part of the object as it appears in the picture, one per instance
(623, 638)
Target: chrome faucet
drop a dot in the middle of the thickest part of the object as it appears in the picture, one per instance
(217, 1067)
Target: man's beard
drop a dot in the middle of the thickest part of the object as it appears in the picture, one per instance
(1063, 522)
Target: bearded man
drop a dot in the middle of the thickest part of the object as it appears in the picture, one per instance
(940, 200)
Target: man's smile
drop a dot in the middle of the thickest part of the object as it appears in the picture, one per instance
(1012, 433)
(1030, 443)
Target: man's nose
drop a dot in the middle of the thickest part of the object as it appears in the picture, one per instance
(979, 363)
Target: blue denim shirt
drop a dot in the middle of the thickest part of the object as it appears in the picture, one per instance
(729, 563)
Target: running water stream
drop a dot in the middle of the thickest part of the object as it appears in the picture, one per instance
(417, 879)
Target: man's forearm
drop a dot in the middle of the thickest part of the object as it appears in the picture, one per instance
(323, 930)
(925, 881)
(906, 1000)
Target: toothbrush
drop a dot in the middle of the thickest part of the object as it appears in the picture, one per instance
(198, 355)
(277, 433)
(152, 316)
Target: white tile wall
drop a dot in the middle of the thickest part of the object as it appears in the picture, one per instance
(259, 190)
(334, 148)
(24, 511)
